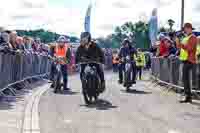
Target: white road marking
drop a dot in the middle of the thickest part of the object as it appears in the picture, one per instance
(173, 131)
(68, 121)
(31, 118)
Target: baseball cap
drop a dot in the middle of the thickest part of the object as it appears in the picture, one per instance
(188, 25)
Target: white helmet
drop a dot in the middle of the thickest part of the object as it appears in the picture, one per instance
(62, 39)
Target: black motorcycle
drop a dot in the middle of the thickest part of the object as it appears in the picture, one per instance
(128, 81)
(90, 83)
(57, 84)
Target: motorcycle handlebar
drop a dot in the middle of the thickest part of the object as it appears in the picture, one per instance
(91, 62)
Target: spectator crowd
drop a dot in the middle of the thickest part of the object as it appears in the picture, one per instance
(11, 41)
(166, 46)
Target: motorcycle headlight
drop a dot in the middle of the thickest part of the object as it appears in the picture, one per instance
(128, 57)
(87, 69)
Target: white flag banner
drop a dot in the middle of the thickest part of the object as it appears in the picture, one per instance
(153, 27)
(87, 19)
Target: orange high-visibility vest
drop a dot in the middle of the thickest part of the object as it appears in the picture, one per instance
(115, 59)
(61, 52)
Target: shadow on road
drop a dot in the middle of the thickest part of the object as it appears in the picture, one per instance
(136, 92)
(6, 105)
(20, 90)
(101, 105)
(195, 103)
(68, 92)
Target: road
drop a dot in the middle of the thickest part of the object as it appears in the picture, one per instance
(149, 109)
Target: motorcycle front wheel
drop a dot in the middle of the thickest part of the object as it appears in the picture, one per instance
(57, 87)
(127, 81)
(87, 99)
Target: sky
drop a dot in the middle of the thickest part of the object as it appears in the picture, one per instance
(67, 16)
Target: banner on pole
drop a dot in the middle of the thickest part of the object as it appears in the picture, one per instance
(87, 19)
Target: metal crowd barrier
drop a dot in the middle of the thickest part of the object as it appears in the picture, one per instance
(17, 67)
(169, 71)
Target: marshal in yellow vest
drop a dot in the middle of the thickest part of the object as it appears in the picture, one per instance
(198, 53)
(183, 53)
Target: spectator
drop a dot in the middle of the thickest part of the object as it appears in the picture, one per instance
(13, 37)
(36, 45)
(164, 46)
(20, 43)
(188, 56)
(5, 39)
(27, 43)
(44, 48)
(52, 49)
(172, 50)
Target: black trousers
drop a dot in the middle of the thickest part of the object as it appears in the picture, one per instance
(187, 69)
(99, 70)
(139, 72)
(198, 76)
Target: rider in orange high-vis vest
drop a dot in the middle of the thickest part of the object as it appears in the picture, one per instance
(115, 62)
(62, 50)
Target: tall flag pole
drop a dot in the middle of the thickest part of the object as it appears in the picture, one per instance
(182, 12)
(87, 19)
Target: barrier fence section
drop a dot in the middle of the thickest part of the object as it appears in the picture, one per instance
(16, 67)
(169, 70)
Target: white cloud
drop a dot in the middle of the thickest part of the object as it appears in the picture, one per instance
(106, 14)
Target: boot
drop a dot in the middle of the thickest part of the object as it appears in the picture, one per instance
(187, 100)
(103, 86)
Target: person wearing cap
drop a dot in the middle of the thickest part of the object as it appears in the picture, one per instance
(187, 48)
(90, 51)
(62, 50)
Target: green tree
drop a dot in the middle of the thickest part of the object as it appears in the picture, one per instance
(163, 29)
(171, 24)
(45, 36)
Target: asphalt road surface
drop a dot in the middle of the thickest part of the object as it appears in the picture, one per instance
(147, 109)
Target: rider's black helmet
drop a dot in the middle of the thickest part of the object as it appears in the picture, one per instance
(126, 41)
(85, 35)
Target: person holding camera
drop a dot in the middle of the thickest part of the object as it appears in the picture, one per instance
(188, 47)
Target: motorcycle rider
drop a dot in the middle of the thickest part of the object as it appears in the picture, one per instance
(126, 50)
(89, 51)
(62, 50)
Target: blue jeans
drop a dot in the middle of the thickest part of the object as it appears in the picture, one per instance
(65, 75)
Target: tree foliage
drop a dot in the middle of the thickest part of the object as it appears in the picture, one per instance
(136, 32)
(45, 36)
(171, 24)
